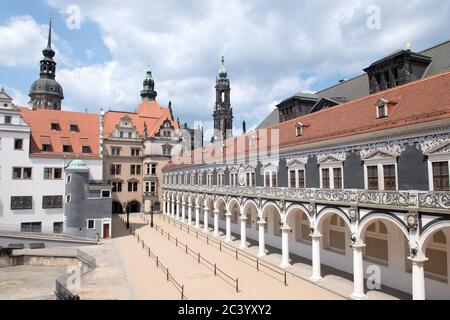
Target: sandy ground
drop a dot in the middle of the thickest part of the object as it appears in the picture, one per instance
(198, 279)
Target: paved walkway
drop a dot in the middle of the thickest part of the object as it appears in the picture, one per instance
(199, 280)
(334, 280)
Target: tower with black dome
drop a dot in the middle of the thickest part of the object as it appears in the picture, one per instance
(46, 92)
(223, 113)
(148, 92)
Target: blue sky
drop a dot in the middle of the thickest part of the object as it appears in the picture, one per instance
(272, 49)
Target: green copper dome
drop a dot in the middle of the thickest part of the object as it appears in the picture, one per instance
(222, 70)
(76, 165)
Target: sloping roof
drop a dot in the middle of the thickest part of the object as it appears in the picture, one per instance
(415, 103)
(40, 121)
(358, 86)
(270, 120)
(148, 112)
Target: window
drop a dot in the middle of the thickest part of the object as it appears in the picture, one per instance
(135, 169)
(91, 224)
(132, 186)
(389, 177)
(86, 149)
(440, 176)
(115, 151)
(68, 198)
(52, 202)
(233, 179)
(58, 227)
(336, 233)
(326, 178)
(297, 178)
(55, 126)
(298, 129)
(106, 194)
(337, 178)
(22, 203)
(52, 173)
(302, 228)
(372, 177)
(73, 128)
(67, 148)
(31, 227)
(8, 119)
(117, 187)
(150, 187)
(115, 169)
(376, 239)
(209, 179)
(22, 173)
(130, 135)
(382, 111)
(135, 152)
(47, 148)
(220, 179)
(18, 144)
(68, 179)
(167, 151)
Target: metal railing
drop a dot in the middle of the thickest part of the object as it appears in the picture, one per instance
(159, 264)
(62, 292)
(213, 266)
(259, 264)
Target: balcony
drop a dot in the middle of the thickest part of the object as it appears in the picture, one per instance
(150, 195)
(424, 201)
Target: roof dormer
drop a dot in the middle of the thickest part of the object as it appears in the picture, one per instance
(383, 107)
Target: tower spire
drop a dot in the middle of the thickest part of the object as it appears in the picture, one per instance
(50, 32)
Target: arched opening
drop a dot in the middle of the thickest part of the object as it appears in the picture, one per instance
(209, 204)
(436, 247)
(117, 207)
(271, 216)
(299, 235)
(334, 230)
(376, 241)
(235, 211)
(134, 206)
(220, 205)
(251, 213)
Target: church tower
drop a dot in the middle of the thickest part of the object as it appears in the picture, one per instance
(223, 113)
(148, 92)
(46, 92)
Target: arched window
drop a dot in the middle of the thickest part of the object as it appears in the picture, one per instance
(336, 234)
(436, 252)
(376, 240)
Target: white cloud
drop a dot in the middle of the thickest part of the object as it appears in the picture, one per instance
(21, 42)
(272, 49)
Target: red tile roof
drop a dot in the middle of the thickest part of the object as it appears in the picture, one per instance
(40, 124)
(414, 103)
(148, 112)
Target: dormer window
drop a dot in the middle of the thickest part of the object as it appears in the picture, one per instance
(298, 129)
(55, 126)
(73, 128)
(382, 111)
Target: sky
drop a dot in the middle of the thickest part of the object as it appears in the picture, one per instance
(272, 49)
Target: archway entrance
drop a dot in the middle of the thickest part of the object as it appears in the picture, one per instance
(117, 207)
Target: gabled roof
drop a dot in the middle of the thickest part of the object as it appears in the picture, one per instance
(417, 103)
(40, 121)
(148, 112)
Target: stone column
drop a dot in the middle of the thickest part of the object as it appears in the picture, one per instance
(316, 272)
(183, 211)
(189, 214)
(216, 223)
(285, 247)
(172, 213)
(261, 240)
(243, 232)
(358, 273)
(228, 227)
(205, 219)
(197, 217)
(164, 205)
(418, 278)
(178, 209)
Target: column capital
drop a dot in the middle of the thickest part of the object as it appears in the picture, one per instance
(190, 205)
(418, 261)
(228, 214)
(216, 211)
(261, 222)
(243, 218)
(316, 236)
(285, 228)
(358, 246)
(183, 203)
